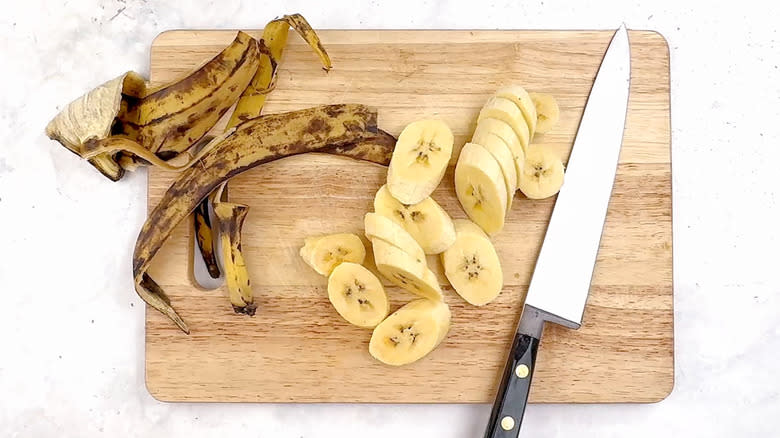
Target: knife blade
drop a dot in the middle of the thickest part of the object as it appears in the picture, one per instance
(564, 268)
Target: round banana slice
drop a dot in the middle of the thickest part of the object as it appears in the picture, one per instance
(410, 333)
(357, 295)
(404, 271)
(324, 253)
(480, 188)
(542, 175)
(472, 266)
(488, 127)
(468, 227)
(426, 221)
(419, 160)
(383, 228)
(547, 112)
(522, 99)
(506, 111)
(500, 151)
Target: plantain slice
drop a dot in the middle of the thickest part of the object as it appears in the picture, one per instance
(246, 146)
(249, 106)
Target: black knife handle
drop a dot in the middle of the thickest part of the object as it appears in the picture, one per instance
(508, 409)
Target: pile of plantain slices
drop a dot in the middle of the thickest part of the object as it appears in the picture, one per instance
(125, 123)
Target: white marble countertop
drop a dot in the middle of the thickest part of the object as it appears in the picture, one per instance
(71, 342)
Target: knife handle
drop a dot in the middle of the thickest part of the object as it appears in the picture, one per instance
(509, 406)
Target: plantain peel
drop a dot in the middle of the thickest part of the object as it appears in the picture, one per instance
(125, 117)
(171, 120)
(272, 45)
(377, 148)
(246, 146)
(231, 221)
(91, 117)
(205, 237)
(249, 106)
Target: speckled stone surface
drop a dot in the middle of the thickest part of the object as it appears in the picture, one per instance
(71, 327)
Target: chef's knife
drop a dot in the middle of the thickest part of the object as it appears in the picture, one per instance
(561, 279)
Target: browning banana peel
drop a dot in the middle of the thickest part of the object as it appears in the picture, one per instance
(250, 105)
(231, 220)
(171, 120)
(272, 45)
(158, 124)
(248, 145)
(375, 148)
(204, 235)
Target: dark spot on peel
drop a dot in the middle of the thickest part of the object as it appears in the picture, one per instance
(352, 126)
(221, 165)
(316, 126)
(335, 110)
(167, 155)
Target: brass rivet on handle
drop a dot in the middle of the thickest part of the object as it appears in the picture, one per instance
(507, 423)
(522, 371)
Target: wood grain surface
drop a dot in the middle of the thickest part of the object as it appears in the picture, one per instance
(297, 349)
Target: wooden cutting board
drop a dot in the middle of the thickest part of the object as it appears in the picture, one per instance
(297, 349)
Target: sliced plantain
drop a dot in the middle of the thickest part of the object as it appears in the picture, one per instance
(419, 160)
(380, 227)
(547, 112)
(500, 151)
(324, 253)
(231, 220)
(405, 271)
(542, 175)
(522, 99)
(466, 226)
(410, 333)
(472, 266)
(426, 221)
(506, 111)
(357, 295)
(248, 145)
(494, 127)
(480, 188)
